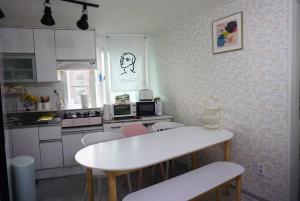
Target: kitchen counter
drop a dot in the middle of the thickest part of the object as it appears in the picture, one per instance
(27, 124)
(143, 119)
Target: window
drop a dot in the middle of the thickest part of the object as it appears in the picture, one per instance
(78, 82)
(126, 66)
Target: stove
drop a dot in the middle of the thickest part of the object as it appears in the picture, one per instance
(81, 119)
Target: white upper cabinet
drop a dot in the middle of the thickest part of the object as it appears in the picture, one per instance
(45, 55)
(15, 40)
(75, 45)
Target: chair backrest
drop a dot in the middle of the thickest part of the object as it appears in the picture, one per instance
(98, 137)
(160, 126)
(134, 130)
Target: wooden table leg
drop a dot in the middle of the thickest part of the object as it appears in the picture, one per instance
(194, 160)
(227, 157)
(112, 188)
(90, 184)
(238, 196)
(227, 150)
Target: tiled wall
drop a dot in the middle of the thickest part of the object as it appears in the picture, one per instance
(251, 84)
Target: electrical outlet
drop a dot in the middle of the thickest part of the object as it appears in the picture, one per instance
(260, 169)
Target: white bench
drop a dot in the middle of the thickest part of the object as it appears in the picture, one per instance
(192, 184)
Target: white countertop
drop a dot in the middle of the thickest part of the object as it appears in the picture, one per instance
(146, 150)
(146, 118)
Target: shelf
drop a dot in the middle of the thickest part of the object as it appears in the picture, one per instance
(211, 126)
(211, 116)
(13, 94)
(212, 108)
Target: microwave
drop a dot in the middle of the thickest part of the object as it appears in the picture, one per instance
(123, 110)
(148, 108)
(19, 67)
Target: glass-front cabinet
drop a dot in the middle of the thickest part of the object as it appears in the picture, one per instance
(19, 67)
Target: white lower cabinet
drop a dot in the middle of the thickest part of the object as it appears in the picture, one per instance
(25, 142)
(51, 154)
(114, 127)
(71, 145)
(8, 144)
(117, 127)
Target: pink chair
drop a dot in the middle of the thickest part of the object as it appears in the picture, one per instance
(132, 130)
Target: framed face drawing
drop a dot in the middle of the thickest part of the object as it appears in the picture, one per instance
(227, 33)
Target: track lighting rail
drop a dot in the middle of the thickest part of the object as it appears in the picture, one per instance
(82, 3)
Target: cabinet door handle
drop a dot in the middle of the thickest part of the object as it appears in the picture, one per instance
(114, 127)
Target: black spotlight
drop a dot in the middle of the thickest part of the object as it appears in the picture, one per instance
(1, 14)
(47, 18)
(83, 22)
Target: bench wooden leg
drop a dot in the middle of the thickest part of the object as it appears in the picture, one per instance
(194, 159)
(162, 170)
(90, 184)
(227, 157)
(238, 188)
(140, 178)
(218, 191)
(112, 186)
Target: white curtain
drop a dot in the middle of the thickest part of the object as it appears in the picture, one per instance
(127, 63)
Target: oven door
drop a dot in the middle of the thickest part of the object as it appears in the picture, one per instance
(145, 108)
(122, 110)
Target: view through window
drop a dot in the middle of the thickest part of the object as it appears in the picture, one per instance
(78, 82)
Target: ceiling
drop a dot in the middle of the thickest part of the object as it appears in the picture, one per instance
(113, 16)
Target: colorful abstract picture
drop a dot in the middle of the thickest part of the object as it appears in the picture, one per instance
(227, 34)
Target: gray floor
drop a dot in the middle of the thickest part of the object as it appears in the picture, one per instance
(71, 188)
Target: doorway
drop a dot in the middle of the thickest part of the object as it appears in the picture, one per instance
(4, 187)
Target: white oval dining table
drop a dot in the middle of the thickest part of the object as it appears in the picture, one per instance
(121, 156)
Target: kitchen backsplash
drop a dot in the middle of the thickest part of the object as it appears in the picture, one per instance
(14, 103)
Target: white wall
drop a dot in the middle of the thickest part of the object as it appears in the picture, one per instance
(252, 85)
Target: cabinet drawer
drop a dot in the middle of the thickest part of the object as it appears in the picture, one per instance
(116, 127)
(50, 132)
(51, 154)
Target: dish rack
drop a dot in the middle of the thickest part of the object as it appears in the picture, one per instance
(212, 119)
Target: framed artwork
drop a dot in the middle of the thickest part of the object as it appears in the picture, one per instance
(227, 33)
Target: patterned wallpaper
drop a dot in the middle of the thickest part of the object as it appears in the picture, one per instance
(251, 84)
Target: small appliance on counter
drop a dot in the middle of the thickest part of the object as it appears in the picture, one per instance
(107, 112)
(158, 106)
(123, 110)
(146, 95)
(84, 100)
(122, 99)
(149, 108)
